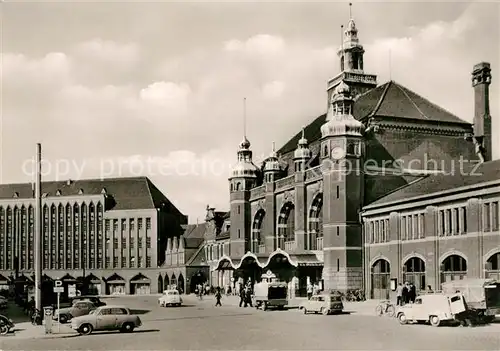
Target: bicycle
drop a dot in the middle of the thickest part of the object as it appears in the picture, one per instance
(385, 307)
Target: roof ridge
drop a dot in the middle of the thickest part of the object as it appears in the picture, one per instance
(411, 100)
(197, 252)
(381, 99)
(433, 104)
(148, 185)
(401, 187)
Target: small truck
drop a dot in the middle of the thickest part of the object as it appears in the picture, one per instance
(482, 296)
(270, 293)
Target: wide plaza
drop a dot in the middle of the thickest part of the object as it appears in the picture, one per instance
(200, 326)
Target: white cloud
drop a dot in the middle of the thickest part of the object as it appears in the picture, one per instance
(274, 89)
(261, 44)
(194, 104)
(109, 52)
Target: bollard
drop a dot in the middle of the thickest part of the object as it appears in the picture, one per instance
(48, 312)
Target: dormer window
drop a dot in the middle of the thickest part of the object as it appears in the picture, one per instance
(16, 195)
(80, 192)
(58, 192)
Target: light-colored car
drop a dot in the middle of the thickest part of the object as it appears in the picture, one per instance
(432, 308)
(170, 298)
(79, 308)
(107, 318)
(325, 304)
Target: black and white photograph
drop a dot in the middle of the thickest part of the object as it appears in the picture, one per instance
(249, 175)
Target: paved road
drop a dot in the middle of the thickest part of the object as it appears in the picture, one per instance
(201, 326)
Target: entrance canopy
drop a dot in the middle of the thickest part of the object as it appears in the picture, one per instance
(225, 262)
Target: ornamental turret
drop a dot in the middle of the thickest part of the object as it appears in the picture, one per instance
(302, 154)
(272, 167)
(339, 120)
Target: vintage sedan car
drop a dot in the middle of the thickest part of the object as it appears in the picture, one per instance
(170, 298)
(106, 318)
(80, 308)
(432, 308)
(324, 304)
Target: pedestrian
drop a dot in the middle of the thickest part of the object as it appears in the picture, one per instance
(405, 293)
(242, 296)
(218, 296)
(429, 289)
(309, 291)
(248, 299)
(412, 293)
(399, 295)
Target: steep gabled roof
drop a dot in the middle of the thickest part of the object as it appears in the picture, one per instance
(128, 193)
(468, 175)
(387, 100)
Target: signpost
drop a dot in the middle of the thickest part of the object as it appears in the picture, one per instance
(58, 288)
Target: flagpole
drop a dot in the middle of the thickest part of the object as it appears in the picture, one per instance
(38, 229)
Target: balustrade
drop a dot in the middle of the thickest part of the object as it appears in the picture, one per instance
(258, 191)
(285, 182)
(319, 243)
(290, 246)
(313, 173)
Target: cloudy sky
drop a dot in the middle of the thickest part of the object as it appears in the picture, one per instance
(120, 89)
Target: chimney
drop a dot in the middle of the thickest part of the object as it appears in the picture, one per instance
(481, 80)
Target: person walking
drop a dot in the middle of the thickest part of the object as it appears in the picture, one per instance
(399, 295)
(405, 293)
(309, 291)
(248, 296)
(242, 296)
(218, 296)
(412, 293)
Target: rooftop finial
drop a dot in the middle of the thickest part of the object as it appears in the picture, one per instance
(245, 117)
(274, 149)
(350, 10)
(390, 64)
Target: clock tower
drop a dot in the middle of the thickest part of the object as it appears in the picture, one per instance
(342, 151)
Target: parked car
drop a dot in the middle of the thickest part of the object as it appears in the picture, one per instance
(80, 308)
(433, 308)
(170, 298)
(324, 304)
(106, 318)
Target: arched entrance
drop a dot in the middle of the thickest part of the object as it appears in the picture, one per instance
(257, 240)
(493, 267)
(454, 267)
(173, 282)
(166, 282)
(180, 284)
(381, 272)
(279, 264)
(286, 227)
(93, 285)
(315, 232)
(198, 278)
(160, 284)
(414, 272)
(249, 269)
(115, 285)
(140, 285)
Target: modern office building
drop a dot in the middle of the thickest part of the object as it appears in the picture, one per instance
(110, 234)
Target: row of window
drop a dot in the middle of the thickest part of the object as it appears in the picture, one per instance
(451, 221)
(124, 222)
(214, 252)
(76, 229)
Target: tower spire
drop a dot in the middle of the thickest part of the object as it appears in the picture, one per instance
(245, 117)
(350, 10)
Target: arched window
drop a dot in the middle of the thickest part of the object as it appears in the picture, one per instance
(493, 266)
(315, 232)
(256, 231)
(454, 267)
(414, 272)
(381, 271)
(286, 227)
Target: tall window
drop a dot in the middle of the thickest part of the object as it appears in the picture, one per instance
(24, 238)
(10, 238)
(69, 237)
(46, 233)
(77, 237)
(85, 246)
(53, 237)
(61, 238)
